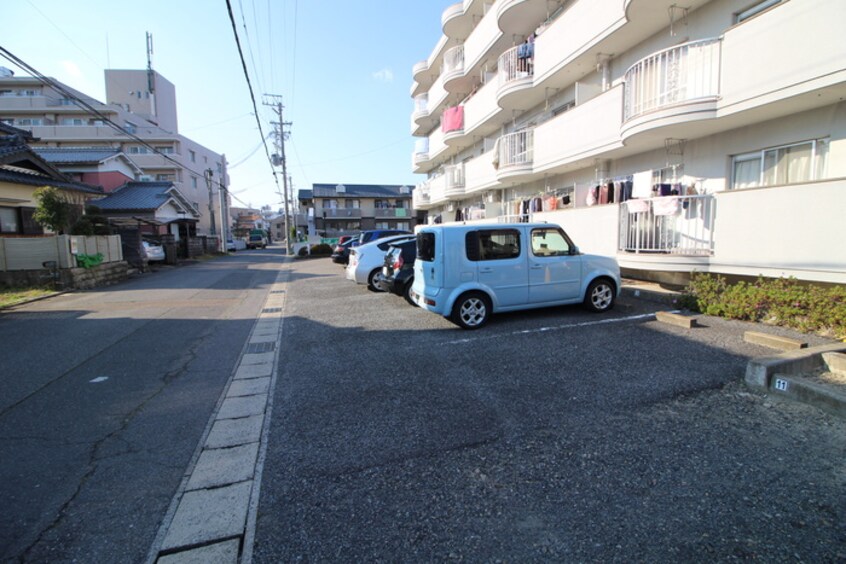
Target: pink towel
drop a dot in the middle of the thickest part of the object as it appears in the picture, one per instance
(453, 119)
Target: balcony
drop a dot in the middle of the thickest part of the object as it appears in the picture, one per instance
(671, 225)
(338, 213)
(684, 80)
(480, 173)
(420, 196)
(453, 68)
(453, 180)
(515, 155)
(516, 75)
(585, 131)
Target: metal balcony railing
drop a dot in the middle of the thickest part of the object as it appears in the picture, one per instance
(515, 149)
(454, 60)
(515, 64)
(680, 74)
(675, 225)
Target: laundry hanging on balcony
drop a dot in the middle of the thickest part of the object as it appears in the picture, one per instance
(453, 119)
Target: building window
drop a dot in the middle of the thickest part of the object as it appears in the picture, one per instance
(165, 178)
(352, 204)
(138, 150)
(754, 10)
(194, 182)
(192, 155)
(788, 164)
(165, 150)
(404, 225)
(73, 121)
(381, 204)
(29, 121)
(9, 220)
(129, 127)
(400, 204)
(331, 204)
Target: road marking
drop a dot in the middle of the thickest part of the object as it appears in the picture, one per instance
(556, 328)
(98, 379)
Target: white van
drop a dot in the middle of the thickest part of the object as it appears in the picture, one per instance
(467, 272)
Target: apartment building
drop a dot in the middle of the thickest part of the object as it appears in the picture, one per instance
(707, 135)
(142, 103)
(343, 209)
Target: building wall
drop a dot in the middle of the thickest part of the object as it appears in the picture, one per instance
(109, 180)
(48, 105)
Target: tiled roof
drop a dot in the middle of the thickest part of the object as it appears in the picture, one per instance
(360, 190)
(16, 177)
(142, 196)
(75, 156)
(8, 130)
(305, 195)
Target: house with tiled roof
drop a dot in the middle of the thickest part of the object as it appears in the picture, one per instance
(155, 207)
(107, 167)
(22, 172)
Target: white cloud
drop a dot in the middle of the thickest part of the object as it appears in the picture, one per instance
(384, 75)
(71, 69)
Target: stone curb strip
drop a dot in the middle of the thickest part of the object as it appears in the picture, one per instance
(213, 512)
(780, 375)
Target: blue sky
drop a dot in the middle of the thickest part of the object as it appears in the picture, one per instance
(343, 69)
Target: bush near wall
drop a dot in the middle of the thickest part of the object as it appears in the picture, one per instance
(321, 250)
(783, 301)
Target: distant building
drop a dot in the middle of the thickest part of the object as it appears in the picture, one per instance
(104, 166)
(340, 209)
(139, 103)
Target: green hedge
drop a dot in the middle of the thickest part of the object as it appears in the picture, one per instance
(783, 301)
(320, 250)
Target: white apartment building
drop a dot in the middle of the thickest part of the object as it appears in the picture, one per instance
(141, 103)
(706, 135)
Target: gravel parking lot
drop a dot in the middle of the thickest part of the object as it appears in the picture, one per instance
(553, 435)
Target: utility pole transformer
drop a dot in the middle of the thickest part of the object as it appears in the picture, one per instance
(280, 136)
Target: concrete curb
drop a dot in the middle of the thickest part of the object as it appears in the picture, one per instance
(649, 292)
(780, 375)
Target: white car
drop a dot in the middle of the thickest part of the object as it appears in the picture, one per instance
(153, 251)
(366, 260)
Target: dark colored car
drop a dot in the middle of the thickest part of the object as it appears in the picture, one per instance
(373, 234)
(341, 252)
(398, 271)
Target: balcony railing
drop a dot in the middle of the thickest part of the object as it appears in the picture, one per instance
(516, 64)
(674, 225)
(454, 180)
(680, 74)
(341, 213)
(454, 60)
(515, 149)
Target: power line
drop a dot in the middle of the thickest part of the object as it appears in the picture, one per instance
(83, 104)
(250, 86)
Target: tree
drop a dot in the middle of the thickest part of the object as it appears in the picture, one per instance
(53, 210)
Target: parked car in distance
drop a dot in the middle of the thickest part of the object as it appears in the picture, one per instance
(398, 270)
(255, 241)
(344, 238)
(373, 234)
(366, 260)
(153, 250)
(341, 252)
(468, 272)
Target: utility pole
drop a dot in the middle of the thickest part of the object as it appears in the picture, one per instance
(209, 174)
(279, 159)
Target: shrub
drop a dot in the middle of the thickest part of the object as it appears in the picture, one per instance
(303, 251)
(321, 249)
(784, 301)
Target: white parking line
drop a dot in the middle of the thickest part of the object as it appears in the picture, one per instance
(485, 337)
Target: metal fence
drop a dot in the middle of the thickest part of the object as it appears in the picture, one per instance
(676, 225)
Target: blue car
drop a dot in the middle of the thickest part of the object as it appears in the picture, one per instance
(468, 272)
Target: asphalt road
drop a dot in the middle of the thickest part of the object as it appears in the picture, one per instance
(552, 435)
(104, 396)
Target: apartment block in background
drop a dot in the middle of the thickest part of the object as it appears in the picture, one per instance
(140, 103)
(343, 209)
